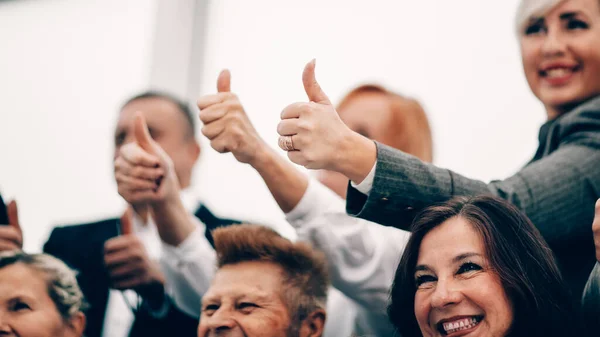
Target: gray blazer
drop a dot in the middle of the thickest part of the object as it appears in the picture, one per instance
(557, 189)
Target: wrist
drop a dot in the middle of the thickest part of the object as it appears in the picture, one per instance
(356, 159)
(263, 157)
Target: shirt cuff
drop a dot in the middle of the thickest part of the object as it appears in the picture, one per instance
(367, 184)
(186, 249)
(316, 200)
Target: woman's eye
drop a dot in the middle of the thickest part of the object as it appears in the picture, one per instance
(19, 306)
(468, 267)
(424, 280)
(534, 29)
(577, 24)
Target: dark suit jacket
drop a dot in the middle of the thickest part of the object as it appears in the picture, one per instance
(557, 189)
(82, 248)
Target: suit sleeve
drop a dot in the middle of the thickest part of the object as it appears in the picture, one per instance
(557, 192)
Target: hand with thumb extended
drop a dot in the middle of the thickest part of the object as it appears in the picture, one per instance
(312, 132)
(143, 171)
(227, 125)
(11, 236)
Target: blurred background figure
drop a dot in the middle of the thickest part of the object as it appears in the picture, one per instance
(385, 117)
(39, 297)
(361, 255)
(266, 286)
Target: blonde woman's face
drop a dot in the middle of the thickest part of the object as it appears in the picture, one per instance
(26, 309)
(561, 55)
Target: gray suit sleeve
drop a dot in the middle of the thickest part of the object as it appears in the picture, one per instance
(557, 192)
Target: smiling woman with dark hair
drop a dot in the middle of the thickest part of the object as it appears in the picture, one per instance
(479, 266)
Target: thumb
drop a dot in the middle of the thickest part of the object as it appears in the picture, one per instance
(311, 86)
(597, 212)
(13, 215)
(224, 81)
(141, 133)
(126, 222)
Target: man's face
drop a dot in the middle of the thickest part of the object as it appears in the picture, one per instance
(168, 127)
(245, 300)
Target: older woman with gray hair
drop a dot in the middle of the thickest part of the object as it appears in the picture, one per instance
(39, 297)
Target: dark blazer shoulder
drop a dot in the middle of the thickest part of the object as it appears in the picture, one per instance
(74, 243)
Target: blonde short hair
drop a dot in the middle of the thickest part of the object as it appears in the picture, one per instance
(532, 8)
(61, 280)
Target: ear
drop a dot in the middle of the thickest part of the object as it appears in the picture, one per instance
(314, 324)
(77, 324)
(194, 149)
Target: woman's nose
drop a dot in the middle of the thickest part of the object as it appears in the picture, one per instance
(445, 293)
(554, 44)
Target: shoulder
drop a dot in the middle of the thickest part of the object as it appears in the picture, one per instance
(212, 220)
(79, 234)
(582, 125)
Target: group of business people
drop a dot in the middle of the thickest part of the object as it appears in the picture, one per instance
(410, 247)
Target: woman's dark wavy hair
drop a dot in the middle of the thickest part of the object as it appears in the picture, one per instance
(542, 304)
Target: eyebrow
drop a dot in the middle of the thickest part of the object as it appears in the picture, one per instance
(458, 258)
(464, 256)
(568, 15)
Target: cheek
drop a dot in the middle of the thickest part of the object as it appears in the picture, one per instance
(422, 308)
(39, 324)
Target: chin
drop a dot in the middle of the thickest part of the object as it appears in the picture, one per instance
(563, 101)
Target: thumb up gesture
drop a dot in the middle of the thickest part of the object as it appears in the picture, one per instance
(11, 236)
(315, 137)
(226, 123)
(143, 171)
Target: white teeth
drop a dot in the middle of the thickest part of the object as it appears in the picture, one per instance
(462, 324)
(558, 72)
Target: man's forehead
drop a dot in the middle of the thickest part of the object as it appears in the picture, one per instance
(257, 280)
(154, 109)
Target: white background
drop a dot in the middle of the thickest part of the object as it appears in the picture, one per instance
(67, 65)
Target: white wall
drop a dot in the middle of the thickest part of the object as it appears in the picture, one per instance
(66, 65)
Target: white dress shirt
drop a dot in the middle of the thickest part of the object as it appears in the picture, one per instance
(362, 256)
(188, 270)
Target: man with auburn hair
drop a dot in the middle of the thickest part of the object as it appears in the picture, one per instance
(265, 286)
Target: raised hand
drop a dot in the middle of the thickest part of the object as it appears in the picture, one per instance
(143, 171)
(596, 229)
(316, 138)
(129, 265)
(226, 124)
(11, 236)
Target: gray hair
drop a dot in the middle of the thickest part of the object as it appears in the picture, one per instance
(63, 288)
(530, 8)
